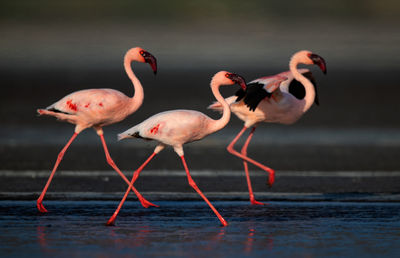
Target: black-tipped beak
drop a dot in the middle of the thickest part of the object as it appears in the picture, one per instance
(151, 60)
(318, 61)
(238, 79)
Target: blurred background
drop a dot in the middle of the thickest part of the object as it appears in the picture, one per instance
(51, 48)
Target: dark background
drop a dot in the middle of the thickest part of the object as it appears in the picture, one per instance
(51, 48)
(334, 168)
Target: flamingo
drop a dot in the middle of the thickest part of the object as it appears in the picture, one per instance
(177, 127)
(97, 108)
(268, 100)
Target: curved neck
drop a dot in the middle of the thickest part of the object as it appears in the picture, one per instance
(309, 87)
(226, 111)
(137, 99)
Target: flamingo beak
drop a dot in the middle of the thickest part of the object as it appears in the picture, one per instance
(239, 80)
(151, 60)
(318, 61)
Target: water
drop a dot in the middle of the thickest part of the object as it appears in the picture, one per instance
(189, 228)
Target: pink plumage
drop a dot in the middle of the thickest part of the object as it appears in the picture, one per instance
(91, 108)
(97, 108)
(282, 98)
(177, 127)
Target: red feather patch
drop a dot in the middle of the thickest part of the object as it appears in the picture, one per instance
(155, 129)
(71, 105)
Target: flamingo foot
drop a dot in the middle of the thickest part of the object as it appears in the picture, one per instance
(111, 221)
(223, 221)
(40, 207)
(145, 203)
(271, 180)
(254, 202)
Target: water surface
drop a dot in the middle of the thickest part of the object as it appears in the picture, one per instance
(189, 228)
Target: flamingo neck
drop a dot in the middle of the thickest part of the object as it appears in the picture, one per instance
(137, 99)
(226, 111)
(309, 87)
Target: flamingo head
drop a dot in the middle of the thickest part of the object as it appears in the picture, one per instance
(318, 60)
(150, 59)
(141, 55)
(227, 78)
(307, 57)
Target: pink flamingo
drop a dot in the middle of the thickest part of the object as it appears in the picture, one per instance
(97, 108)
(177, 127)
(268, 100)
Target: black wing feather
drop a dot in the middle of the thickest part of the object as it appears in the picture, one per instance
(57, 111)
(137, 135)
(298, 91)
(255, 92)
(253, 95)
(240, 94)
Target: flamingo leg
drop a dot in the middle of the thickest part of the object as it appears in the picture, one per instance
(193, 184)
(230, 148)
(111, 221)
(39, 202)
(246, 169)
(142, 200)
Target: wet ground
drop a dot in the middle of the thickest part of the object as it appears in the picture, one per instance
(189, 228)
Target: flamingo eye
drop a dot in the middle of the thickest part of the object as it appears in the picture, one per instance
(141, 52)
(227, 75)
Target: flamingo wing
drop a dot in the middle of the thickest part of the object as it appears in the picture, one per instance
(297, 89)
(91, 100)
(255, 92)
(259, 89)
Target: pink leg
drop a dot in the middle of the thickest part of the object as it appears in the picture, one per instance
(271, 172)
(111, 221)
(246, 169)
(193, 184)
(60, 156)
(142, 200)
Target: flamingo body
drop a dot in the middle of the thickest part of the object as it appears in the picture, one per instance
(177, 127)
(91, 108)
(174, 128)
(287, 109)
(97, 108)
(282, 98)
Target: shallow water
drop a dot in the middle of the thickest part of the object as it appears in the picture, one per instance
(189, 228)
